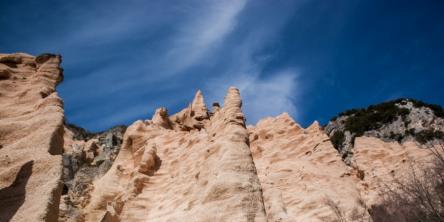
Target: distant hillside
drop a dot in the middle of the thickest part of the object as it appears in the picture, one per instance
(397, 120)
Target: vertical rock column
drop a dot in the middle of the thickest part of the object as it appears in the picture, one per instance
(235, 175)
(31, 138)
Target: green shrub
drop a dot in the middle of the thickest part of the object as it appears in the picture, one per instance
(396, 136)
(374, 117)
(350, 112)
(425, 136)
(338, 139)
(437, 109)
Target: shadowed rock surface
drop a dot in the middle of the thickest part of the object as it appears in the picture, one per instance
(87, 156)
(13, 196)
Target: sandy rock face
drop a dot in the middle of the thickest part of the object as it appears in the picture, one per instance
(381, 163)
(195, 165)
(31, 137)
(199, 165)
(200, 172)
(301, 173)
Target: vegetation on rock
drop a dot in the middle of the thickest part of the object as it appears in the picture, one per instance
(374, 118)
(338, 138)
(425, 136)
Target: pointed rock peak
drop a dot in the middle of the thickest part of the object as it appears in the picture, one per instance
(233, 99)
(285, 117)
(314, 127)
(194, 116)
(160, 118)
(198, 110)
(232, 107)
(316, 123)
(161, 112)
(198, 103)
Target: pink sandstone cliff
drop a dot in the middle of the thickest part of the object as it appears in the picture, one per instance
(300, 172)
(31, 137)
(195, 165)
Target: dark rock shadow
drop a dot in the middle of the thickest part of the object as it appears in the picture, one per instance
(156, 167)
(158, 163)
(12, 197)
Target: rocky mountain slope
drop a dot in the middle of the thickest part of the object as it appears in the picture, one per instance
(398, 120)
(87, 156)
(199, 164)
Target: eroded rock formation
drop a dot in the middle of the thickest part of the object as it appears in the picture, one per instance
(31, 137)
(301, 172)
(202, 171)
(195, 165)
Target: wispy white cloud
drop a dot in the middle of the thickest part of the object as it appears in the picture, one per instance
(264, 93)
(202, 33)
(186, 39)
(270, 97)
(203, 27)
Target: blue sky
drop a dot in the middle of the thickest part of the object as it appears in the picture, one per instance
(313, 59)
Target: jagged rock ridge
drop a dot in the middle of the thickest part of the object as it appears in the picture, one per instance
(300, 172)
(188, 168)
(195, 165)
